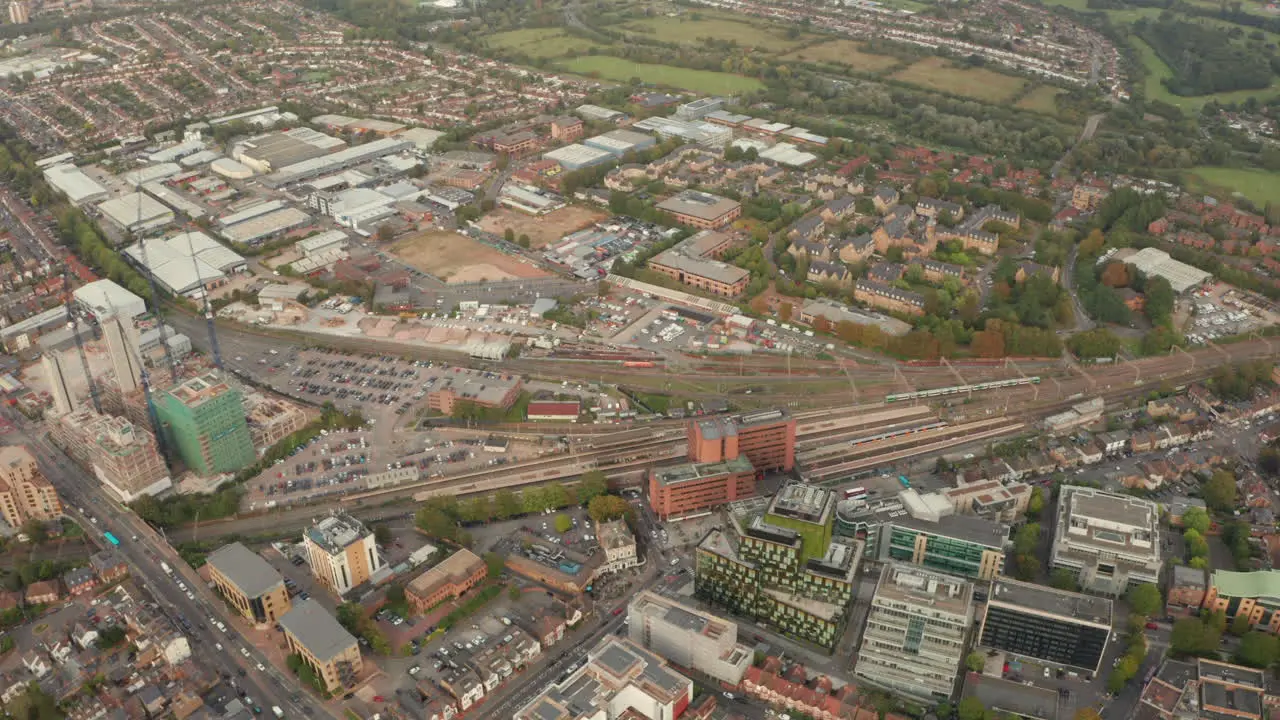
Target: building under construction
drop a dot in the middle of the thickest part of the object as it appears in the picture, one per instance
(272, 420)
(122, 454)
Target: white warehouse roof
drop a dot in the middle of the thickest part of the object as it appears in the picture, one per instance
(105, 298)
(1155, 262)
(72, 182)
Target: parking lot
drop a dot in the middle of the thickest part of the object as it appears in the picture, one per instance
(1222, 311)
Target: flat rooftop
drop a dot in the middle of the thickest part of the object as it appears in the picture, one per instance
(807, 503)
(199, 390)
(917, 586)
(968, 528)
(316, 630)
(690, 472)
(336, 532)
(245, 569)
(1069, 606)
(703, 206)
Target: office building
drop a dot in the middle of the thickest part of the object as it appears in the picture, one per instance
(695, 488)
(121, 455)
(695, 262)
(767, 438)
(778, 565)
(618, 680)
(204, 419)
(1039, 623)
(990, 499)
(19, 12)
(925, 530)
(249, 583)
(688, 637)
(1110, 541)
(58, 388)
(1255, 595)
(25, 493)
(458, 573)
(324, 645)
(619, 546)
(341, 552)
(701, 210)
(122, 348)
(914, 640)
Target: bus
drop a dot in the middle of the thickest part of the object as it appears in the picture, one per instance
(905, 482)
(111, 539)
(856, 493)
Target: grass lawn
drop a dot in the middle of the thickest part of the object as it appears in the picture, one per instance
(1041, 100)
(700, 81)
(1260, 186)
(843, 52)
(685, 30)
(541, 42)
(935, 73)
(1157, 70)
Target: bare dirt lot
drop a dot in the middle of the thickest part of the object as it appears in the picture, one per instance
(541, 230)
(457, 259)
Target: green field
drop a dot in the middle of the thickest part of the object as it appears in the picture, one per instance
(1041, 100)
(688, 31)
(843, 52)
(1260, 186)
(935, 73)
(541, 42)
(1157, 70)
(699, 81)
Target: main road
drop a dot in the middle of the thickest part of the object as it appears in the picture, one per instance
(87, 503)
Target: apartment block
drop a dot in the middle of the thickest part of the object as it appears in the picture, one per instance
(123, 456)
(695, 262)
(204, 420)
(914, 640)
(249, 583)
(688, 637)
(25, 494)
(1046, 625)
(342, 552)
(332, 652)
(887, 297)
(1110, 541)
(618, 679)
(701, 210)
(458, 573)
(1255, 595)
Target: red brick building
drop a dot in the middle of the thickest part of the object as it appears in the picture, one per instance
(458, 573)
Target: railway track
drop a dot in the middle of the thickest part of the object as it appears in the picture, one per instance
(836, 462)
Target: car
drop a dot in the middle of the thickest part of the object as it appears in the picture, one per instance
(1046, 672)
(728, 695)
(379, 698)
(1152, 626)
(190, 595)
(219, 646)
(261, 668)
(244, 652)
(415, 670)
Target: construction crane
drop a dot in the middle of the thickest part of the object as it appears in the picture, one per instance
(155, 292)
(75, 331)
(144, 377)
(208, 311)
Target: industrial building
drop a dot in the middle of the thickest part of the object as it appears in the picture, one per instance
(105, 298)
(136, 213)
(323, 644)
(272, 151)
(25, 493)
(321, 243)
(150, 173)
(1043, 624)
(529, 199)
(261, 227)
(914, 639)
(249, 583)
(186, 264)
(204, 420)
(174, 199)
(122, 456)
(926, 530)
(620, 142)
(72, 182)
(1110, 541)
(695, 132)
(701, 210)
(775, 566)
(1154, 262)
(618, 679)
(688, 637)
(576, 156)
(341, 552)
(336, 162)
(601, 114)
(454, 576)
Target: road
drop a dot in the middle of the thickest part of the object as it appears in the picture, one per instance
(1090, 127)
(1082, 319)
(144, 550)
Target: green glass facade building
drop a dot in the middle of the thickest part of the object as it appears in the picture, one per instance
(204, 419)
(964, 545)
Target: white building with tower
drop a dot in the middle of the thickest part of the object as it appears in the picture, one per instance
(122, 347)
(58, 387)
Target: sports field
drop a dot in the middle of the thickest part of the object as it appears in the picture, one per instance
(935, 73)
(699, 81)
(541, 230)
(718, 26)
(843, 52)
(1041, 100)
(458, 259)
(541, 42)
(1260, 186)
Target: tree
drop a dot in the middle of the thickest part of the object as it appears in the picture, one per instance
(1196, 519)
(608, 507)
(1197, 546)
(1158, 298)
(1193, 636)
(592, 485)
(1220, 491)
(1026, 538)
(971, 708)
(111, 637)
(513, 593)
(1063, 579)
(563, 523)
(1145, 599)
(1239, 625)
(34, 529)
(1258, 649)
(386, 233)
(509, 235)
(495, 563)
(506, 505)
(382, 534)
(1035, 505)
(975, 661)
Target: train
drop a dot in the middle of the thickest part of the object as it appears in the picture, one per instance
(961, 389)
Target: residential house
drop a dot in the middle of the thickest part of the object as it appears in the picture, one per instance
(806, 228)
(887, 297)
(837, 209)
(43, 592)
(834, 273)
(810, 249)
(855, 249)
(79, 581)
(884, 198)
(934, 208)
(109, 566)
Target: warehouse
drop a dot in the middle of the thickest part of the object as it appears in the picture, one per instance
(228, 168)
(250, 211)
(1157, 263)
(176, 271)
(321, 243)
(260, 228)
(210, 251)
(79, 188)
(174, 199)
(150, 173)
(532, 200)
(105, 299)
(621, 142)
(423, 139)
(788, 155)
(337, 162)
(702, 133)
(272, 151)
(600, 114)
(136, 213)
(577, 157)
